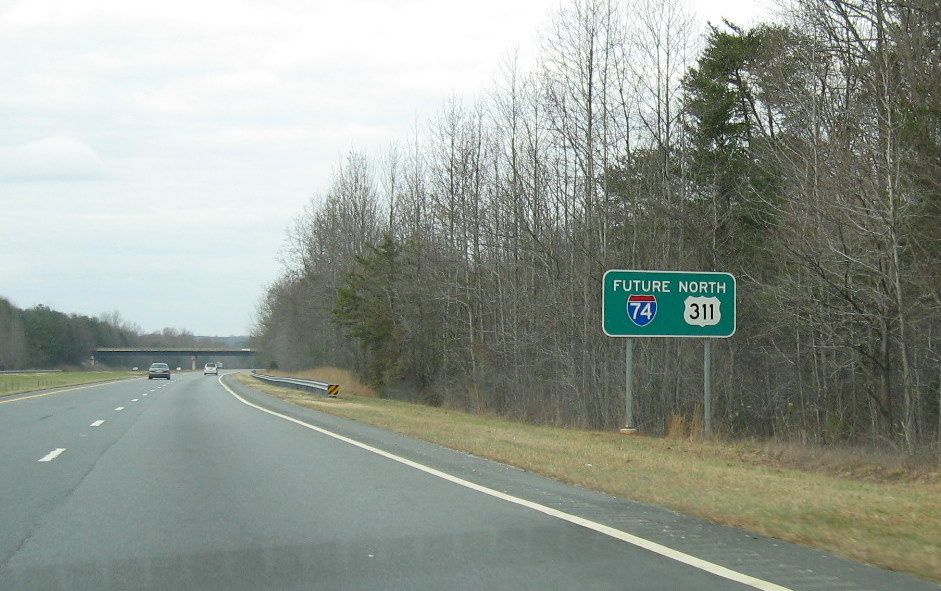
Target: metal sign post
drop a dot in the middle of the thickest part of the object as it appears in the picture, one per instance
(707, 386)
(668, 304)
(629, 428)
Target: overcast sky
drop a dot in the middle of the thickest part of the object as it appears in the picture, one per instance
(153, 155)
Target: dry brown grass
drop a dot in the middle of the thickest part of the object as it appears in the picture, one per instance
(683, 427)
(880, 518)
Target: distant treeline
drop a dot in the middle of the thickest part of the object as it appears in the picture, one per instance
(42, 338)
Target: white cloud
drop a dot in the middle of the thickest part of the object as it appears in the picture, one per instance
(51, 159)
(31, 14)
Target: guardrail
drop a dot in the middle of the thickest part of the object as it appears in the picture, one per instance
(328, 390)
(12, 371)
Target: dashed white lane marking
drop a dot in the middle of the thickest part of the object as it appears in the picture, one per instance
(134, 399)
(144, 394)
(97, 423)
(52, 455)
(119, 408)
(665, 551)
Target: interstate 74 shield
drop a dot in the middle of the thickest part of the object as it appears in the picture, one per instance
(641, 309)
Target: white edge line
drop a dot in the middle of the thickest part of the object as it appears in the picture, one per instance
(704, 565)
(52, 455)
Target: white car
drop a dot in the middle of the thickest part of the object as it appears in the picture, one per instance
(211, 368)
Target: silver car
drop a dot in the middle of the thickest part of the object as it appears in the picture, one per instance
(158, 370)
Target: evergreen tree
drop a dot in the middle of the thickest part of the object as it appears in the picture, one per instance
(729, 135)
(366, 306)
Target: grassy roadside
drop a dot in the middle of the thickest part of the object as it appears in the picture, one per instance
(890, 518)
(27, 382)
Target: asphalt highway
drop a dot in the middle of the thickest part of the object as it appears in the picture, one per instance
(202, 483)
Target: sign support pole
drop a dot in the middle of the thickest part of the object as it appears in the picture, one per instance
(629, 428)
(707, 386)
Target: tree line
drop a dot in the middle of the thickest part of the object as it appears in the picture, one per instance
(43, 338)
(463, 266)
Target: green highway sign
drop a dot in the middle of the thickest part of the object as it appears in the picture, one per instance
(668, 304)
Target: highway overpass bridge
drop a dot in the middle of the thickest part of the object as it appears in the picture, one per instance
(186, 358)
